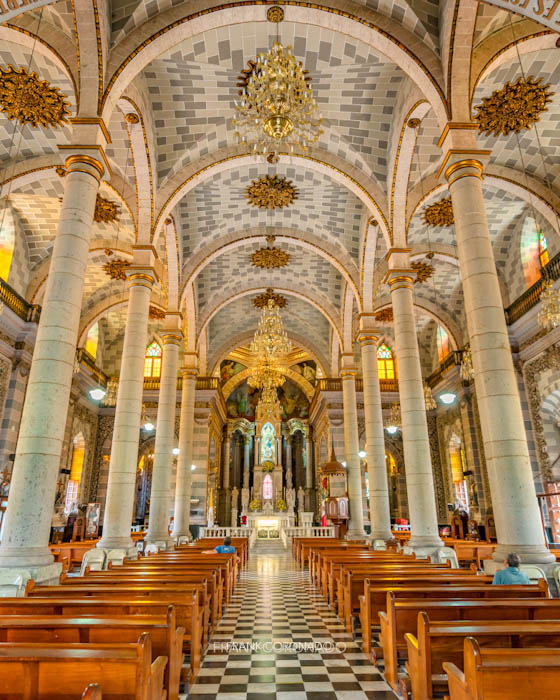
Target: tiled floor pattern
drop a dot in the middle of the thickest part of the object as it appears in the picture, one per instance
(278, 641)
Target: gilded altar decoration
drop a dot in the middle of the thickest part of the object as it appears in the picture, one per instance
(271, 192)
(105, 211)
(466, 371)
(515, 107)
(276, 108)
(268, 466)
(261, 300)
(116, 269)
(280, 504)
(155, 313)
(549, 314)
(385, 315)
(270, 258)
(439, 213)
(255, 505)
(429, 397)
(30, 100)
(111, 395)
(423, 270)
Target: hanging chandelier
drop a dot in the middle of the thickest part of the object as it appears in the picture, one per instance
(112, 389)
(266, 375)
(269, 406)
(270, 339)
(277, 108)
(549, 314)
(395, 419)
(429, 398)
(466, 371)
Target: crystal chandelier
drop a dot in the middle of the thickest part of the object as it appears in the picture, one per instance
(549, 315)
(466, 371)
(277, 105)
(266, 375)
(395, 419)
(270, 339)
(428, 398)
(111, 396)
(269, 405)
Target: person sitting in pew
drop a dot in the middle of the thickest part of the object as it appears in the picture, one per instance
(511, 575)
(225, 548)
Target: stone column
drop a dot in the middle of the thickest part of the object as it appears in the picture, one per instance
(379, 509)
(227, 456)
(172, 339)
(308, 461)
(39, 447)
(246, 460)
(257, 454)
(516, 511)
(182, 513)
(128, 411)
(416, 443)
(351, 449)
(289, 477)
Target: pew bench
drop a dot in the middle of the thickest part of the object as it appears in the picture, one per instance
(495, 674)
(439, 642)
(39, 671)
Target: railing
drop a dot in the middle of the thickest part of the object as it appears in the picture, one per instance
(84, 358)
(152, 383)
(452, 359)
(224, 532)
(25, 310)
(531, 296)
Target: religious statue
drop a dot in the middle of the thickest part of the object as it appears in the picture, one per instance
(227, 371)
(245, 499)
(234, 498)
(291, 499)
(301, 498)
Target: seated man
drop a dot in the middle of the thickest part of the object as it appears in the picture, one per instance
(511, 575)
(224, 548)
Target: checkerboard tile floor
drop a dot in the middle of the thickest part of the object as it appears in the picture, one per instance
(278, 640)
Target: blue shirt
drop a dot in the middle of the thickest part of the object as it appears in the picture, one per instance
(225, 549)
(510, 576)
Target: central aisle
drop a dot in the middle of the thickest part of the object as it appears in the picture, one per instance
(275, 603)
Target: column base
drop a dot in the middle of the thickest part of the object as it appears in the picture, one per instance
(529, 554)
(424, 545)
(380, 535)
(25, 557)
(175, 535)
(168, 539)
(115, 543)
(356, 535)
(47, 575)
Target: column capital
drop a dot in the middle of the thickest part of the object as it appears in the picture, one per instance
(89, 160)
(458, 163)
(172, 332)
(368, 338)
(399, 278)
(139, 276)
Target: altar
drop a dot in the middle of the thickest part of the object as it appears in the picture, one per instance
(268, 527)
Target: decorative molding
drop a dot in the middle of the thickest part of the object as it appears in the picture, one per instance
(271, 192)
(105, 211)
(30, 100)
(275, 14)
(385, 315)
(270, 258)
(155, 313)
(261, 300)
(439, 213)
(424, 271)
(116, 269)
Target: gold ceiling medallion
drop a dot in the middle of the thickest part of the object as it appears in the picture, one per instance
(116, 269)
(413, 123)
(439, 213)
(30, 100)
(261, 300)
(155, 313)
(132, 118)
(515, 107)
(423, 271)
(385, 315)
(105, 211)
(60, 171)
(275, 14)
(271, 257)
(271, 192)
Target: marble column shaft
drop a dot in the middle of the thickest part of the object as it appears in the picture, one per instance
(183, 487)
(165, 438)
(227, 455)
(416, 443)
(516, 511)
(379, 508)
(351, 448)
(128, 411)
(246, 460)
(289, 478)
(308, 462)
(39, 447)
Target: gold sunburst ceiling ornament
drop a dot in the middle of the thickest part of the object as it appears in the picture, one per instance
(271, 192)
(439, 213)
(423, 269)
(105, 211)
(30, 100)
(515, 107)
(385, 315)
(155, 313)
(270, 257)
(261, 300)
(116, 269)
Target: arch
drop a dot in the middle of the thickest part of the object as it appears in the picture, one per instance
(348, 322)
(153, 360)
(328, 313)
(386, 365)
(204, 256)
(382, 33)
(231, 385)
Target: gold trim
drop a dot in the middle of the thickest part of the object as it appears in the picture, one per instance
(461, 151)
(172, 338)
(93, 120)
(140, 276)
(467, 163)
(400, 278)
(467, 126)
(86, 172)
(89, 147)
(348, 373)
(460, 177)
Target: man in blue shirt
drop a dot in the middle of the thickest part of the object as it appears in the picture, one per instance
(226, 547)
(511, 575)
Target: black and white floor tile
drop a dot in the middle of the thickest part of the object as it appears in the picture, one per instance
(278, 640)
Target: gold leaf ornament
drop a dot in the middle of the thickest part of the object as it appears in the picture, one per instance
(116, 269)
(439, 213)
(271, 192)
(423, 269)
(270, 258)
(261, 300)
(105, 211)
(30, 100)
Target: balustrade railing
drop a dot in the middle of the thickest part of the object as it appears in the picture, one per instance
(218, 531)
(15, 302)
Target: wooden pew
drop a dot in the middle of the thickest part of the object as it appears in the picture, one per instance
(496, 674)
(123, 671)
(468, 551)
(188, 616)
(439, 642)
(165, 637)
(375, 597)
(401, 617)
(241, 545)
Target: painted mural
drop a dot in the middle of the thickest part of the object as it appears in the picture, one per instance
(242, 403)
(229, 369)
(308, 370)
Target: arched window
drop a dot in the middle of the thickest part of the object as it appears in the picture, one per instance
(543, 248)
(152, 361)
(442, 343)
(73, 486)
(92, 340)
(385, 362)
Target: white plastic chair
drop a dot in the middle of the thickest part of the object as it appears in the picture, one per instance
(533, 572)
(116, 557)
(95, 559)
(161, 545)
(13, 583)
(556, 577)
(183, 539)
(446, 554)
(151, 549)
(380, 545)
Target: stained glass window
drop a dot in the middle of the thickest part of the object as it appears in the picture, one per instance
(385, 362)
(152, 361)
(543, 248)
(442, 343)
(267, 488)
(92, 340)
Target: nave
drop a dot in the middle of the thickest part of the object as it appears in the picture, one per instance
(275, 603)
